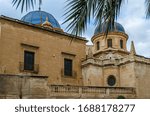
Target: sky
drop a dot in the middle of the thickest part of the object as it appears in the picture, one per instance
(132, 17)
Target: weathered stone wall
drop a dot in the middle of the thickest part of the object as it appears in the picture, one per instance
(28, 87)
(127, 75)
(142, 73)
(92, 76)
(111, 70)
(22, 87)
(96, 75)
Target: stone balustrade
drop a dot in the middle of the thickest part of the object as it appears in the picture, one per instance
(57, 91)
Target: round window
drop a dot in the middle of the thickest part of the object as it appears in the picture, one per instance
(111, 80)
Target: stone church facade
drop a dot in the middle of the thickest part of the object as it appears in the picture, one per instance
(39, 60)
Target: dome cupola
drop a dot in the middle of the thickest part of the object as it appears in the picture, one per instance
(116, 39)
(39, 17)
(117, 28)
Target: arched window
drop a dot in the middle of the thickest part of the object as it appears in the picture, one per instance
(109, 43)
(111, 80)
(121, 44)
(98, 45)
(121, 97)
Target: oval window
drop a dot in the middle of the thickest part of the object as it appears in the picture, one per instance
(111, 80)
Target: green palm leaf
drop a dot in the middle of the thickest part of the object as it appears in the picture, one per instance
(80, 12)
(147, 8)
(25, 4)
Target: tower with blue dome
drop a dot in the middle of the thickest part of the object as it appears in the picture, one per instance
(115, 41)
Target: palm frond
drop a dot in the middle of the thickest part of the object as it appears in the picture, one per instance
(80, 12)
(107, 12)
(77, 15)
(147, 8)
(25, 4)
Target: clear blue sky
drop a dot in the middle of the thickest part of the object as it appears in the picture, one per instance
(132, 17)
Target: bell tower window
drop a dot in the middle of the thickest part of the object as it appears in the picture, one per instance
(121, 44)
(109, 43)
(98, 45)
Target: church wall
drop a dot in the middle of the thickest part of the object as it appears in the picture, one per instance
(92, 76)
(50, 50)
(142, 72)
(127, 75)
(98, 76)
(18, 87)
(108, 71)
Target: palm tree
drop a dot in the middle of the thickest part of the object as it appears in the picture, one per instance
(80, 12)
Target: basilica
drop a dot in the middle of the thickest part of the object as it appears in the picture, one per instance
(38, 60)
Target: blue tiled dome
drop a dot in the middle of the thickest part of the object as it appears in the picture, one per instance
(39, 17)
(117, 28)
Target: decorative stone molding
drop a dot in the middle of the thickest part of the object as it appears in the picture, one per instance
(112, 59)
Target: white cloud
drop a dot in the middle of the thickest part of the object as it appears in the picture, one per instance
(136, 26)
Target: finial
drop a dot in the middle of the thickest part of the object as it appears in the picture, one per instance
(46, 18)
(132, 49)
(47, 23)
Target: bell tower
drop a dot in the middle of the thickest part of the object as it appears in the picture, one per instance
(115, 41)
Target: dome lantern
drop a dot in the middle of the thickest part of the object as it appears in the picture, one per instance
(47, 24)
